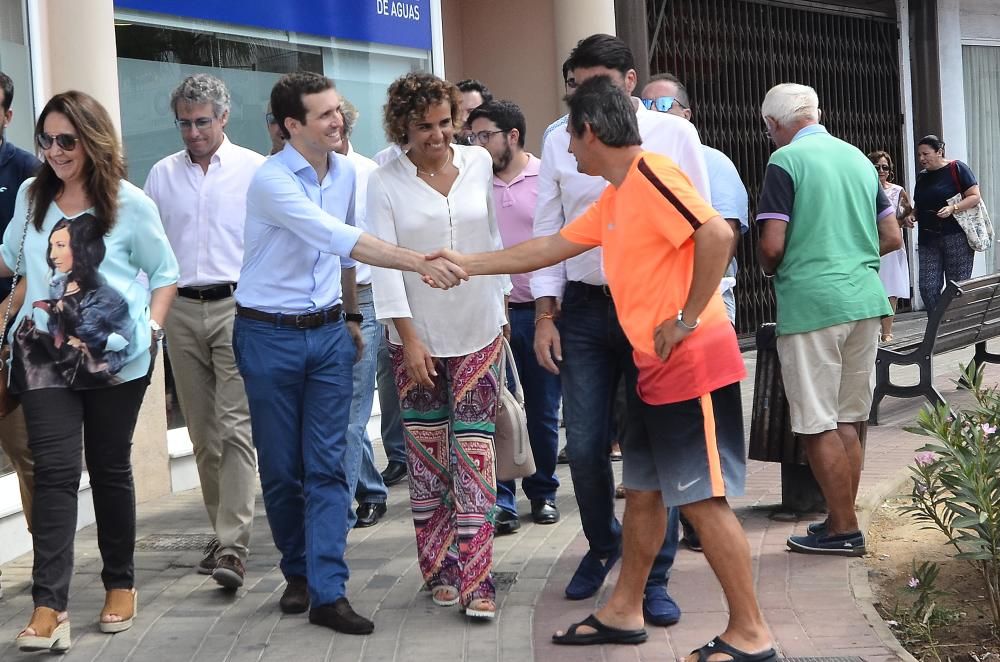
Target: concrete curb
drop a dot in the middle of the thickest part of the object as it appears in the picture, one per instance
(858, 570)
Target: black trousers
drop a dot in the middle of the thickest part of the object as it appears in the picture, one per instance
(58, 420)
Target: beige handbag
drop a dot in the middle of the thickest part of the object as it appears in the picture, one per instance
(511, 445)
(975, 222)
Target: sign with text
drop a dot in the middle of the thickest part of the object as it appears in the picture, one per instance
(396, 22)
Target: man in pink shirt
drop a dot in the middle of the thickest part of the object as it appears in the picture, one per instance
(499, 127)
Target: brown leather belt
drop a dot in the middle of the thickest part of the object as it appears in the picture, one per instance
(300, 321)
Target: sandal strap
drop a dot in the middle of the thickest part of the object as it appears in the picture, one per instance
(718, 645)
(44, 621)
(119, 602)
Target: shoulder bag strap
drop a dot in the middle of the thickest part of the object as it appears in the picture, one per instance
(17, 277)
(954, 176)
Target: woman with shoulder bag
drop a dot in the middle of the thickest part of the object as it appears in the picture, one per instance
(83, 347)
(945, 254)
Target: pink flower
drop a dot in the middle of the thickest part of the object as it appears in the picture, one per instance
(988, 429)
(913, 583)
(925, 459)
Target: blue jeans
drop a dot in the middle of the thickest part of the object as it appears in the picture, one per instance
(388, 402)
(360, 461)
(595, 351)
(541, 403)
(298, 384)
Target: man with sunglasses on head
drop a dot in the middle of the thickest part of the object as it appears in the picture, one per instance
(582, 340)
(201, 195)
(16, 165)
(665, 93)
(499, 126)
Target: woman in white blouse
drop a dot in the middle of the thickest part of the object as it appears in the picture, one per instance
(445, 345)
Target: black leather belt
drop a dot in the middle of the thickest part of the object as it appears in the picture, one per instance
(597, 291)
(210, 293)
(300, 321)
(521, 305)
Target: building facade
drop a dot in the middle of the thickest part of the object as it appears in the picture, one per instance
(888, 72)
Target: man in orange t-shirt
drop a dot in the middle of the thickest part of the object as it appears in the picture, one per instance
(665, 250)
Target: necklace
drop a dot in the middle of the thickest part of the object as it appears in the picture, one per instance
(436, 172)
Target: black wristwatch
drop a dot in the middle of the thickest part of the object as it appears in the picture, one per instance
(354, 317)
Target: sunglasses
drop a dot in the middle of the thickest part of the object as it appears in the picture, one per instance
(269, 118)
(66, 141)
(883, 168)
(662, 104)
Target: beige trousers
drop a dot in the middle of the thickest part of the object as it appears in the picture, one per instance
(14, 441)
(214, 403)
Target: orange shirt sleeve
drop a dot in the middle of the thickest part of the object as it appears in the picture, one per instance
(664, 186)
(585, 229)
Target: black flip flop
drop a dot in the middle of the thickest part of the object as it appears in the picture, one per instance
(602, 634)
(717, 645)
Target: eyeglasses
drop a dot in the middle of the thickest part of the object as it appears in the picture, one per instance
(662, 104)
(66, 141)
(483, 137)
(882, 167)
(201, 123)
(269, 118)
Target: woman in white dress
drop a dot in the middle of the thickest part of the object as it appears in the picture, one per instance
(894, 272)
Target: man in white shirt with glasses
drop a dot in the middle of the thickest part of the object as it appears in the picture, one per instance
(201, 194)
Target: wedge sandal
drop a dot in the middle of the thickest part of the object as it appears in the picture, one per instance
(121, 602)
(51, 632)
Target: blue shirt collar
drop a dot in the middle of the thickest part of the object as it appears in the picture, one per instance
(809, 130)
(295, 162)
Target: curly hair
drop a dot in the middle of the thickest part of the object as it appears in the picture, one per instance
(105, 166)
(411, 96)
(202, 88)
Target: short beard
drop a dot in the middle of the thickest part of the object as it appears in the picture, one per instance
(504, 161)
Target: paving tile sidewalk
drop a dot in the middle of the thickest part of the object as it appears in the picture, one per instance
(809, 602)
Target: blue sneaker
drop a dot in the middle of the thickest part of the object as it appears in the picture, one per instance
(847, 544)
(659, 608)
(590, 574)
(818, 528)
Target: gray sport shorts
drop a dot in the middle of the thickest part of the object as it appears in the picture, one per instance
(689, 451)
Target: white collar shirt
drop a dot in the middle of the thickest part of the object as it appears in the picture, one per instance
(203, 212)
(363, 168)
(564, 193)
(404, 210)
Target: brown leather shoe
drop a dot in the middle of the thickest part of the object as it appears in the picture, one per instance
(295, 599)
(207, 565)
(341, 617)
(229, 571)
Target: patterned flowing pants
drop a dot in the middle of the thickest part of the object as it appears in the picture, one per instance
(449, 452)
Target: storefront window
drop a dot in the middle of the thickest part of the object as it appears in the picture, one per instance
(15, 62)
(155, 52)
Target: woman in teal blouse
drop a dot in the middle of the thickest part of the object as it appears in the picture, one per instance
(83, 345)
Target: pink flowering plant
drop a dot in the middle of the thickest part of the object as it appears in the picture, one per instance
(956, 481)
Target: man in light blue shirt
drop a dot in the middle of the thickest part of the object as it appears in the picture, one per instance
(665, 93)
(294, 349)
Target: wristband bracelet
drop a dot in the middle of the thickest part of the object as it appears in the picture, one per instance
(544, 316)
